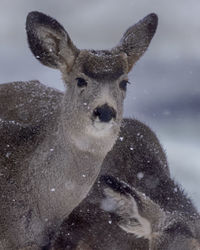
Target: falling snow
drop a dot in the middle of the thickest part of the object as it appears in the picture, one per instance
(140, 175)
(8, 154)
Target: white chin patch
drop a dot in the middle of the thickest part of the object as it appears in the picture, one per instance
(99, 126)
(99, 129)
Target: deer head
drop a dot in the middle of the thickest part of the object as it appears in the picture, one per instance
(96, 80)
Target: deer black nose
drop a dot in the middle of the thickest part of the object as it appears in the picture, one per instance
(105, 113)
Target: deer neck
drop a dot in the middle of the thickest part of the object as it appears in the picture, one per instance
(84, 164)
(68, 169)
(73, 159)
(66, 175)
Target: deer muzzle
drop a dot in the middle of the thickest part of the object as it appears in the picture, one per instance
(104, 113)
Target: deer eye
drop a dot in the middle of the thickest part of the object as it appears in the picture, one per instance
(81, 82)
(123, 85)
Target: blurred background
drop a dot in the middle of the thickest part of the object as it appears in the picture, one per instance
(165, 89)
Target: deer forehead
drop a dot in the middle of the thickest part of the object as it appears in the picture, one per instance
(103, 65)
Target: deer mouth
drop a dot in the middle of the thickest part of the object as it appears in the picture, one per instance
(99, 126)
(100, 129)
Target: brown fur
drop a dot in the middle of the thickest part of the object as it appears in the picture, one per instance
(113, 65)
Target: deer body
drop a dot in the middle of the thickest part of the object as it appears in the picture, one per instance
(53, 143)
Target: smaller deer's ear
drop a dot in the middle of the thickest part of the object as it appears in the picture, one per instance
(49, 41)
(137, 213)
(137, 38)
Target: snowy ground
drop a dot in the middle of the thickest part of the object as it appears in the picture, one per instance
(165, 92)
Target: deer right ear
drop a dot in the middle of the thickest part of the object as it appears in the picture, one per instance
(137, 38)
(49, 41)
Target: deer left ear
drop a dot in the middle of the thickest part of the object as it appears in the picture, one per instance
(137, 38)
(49, 41)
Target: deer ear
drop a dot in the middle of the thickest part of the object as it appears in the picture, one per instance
(137, 213)
(49, 41)
(137, 38)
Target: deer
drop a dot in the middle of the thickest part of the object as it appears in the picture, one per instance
(52, 144)
(134, 204)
